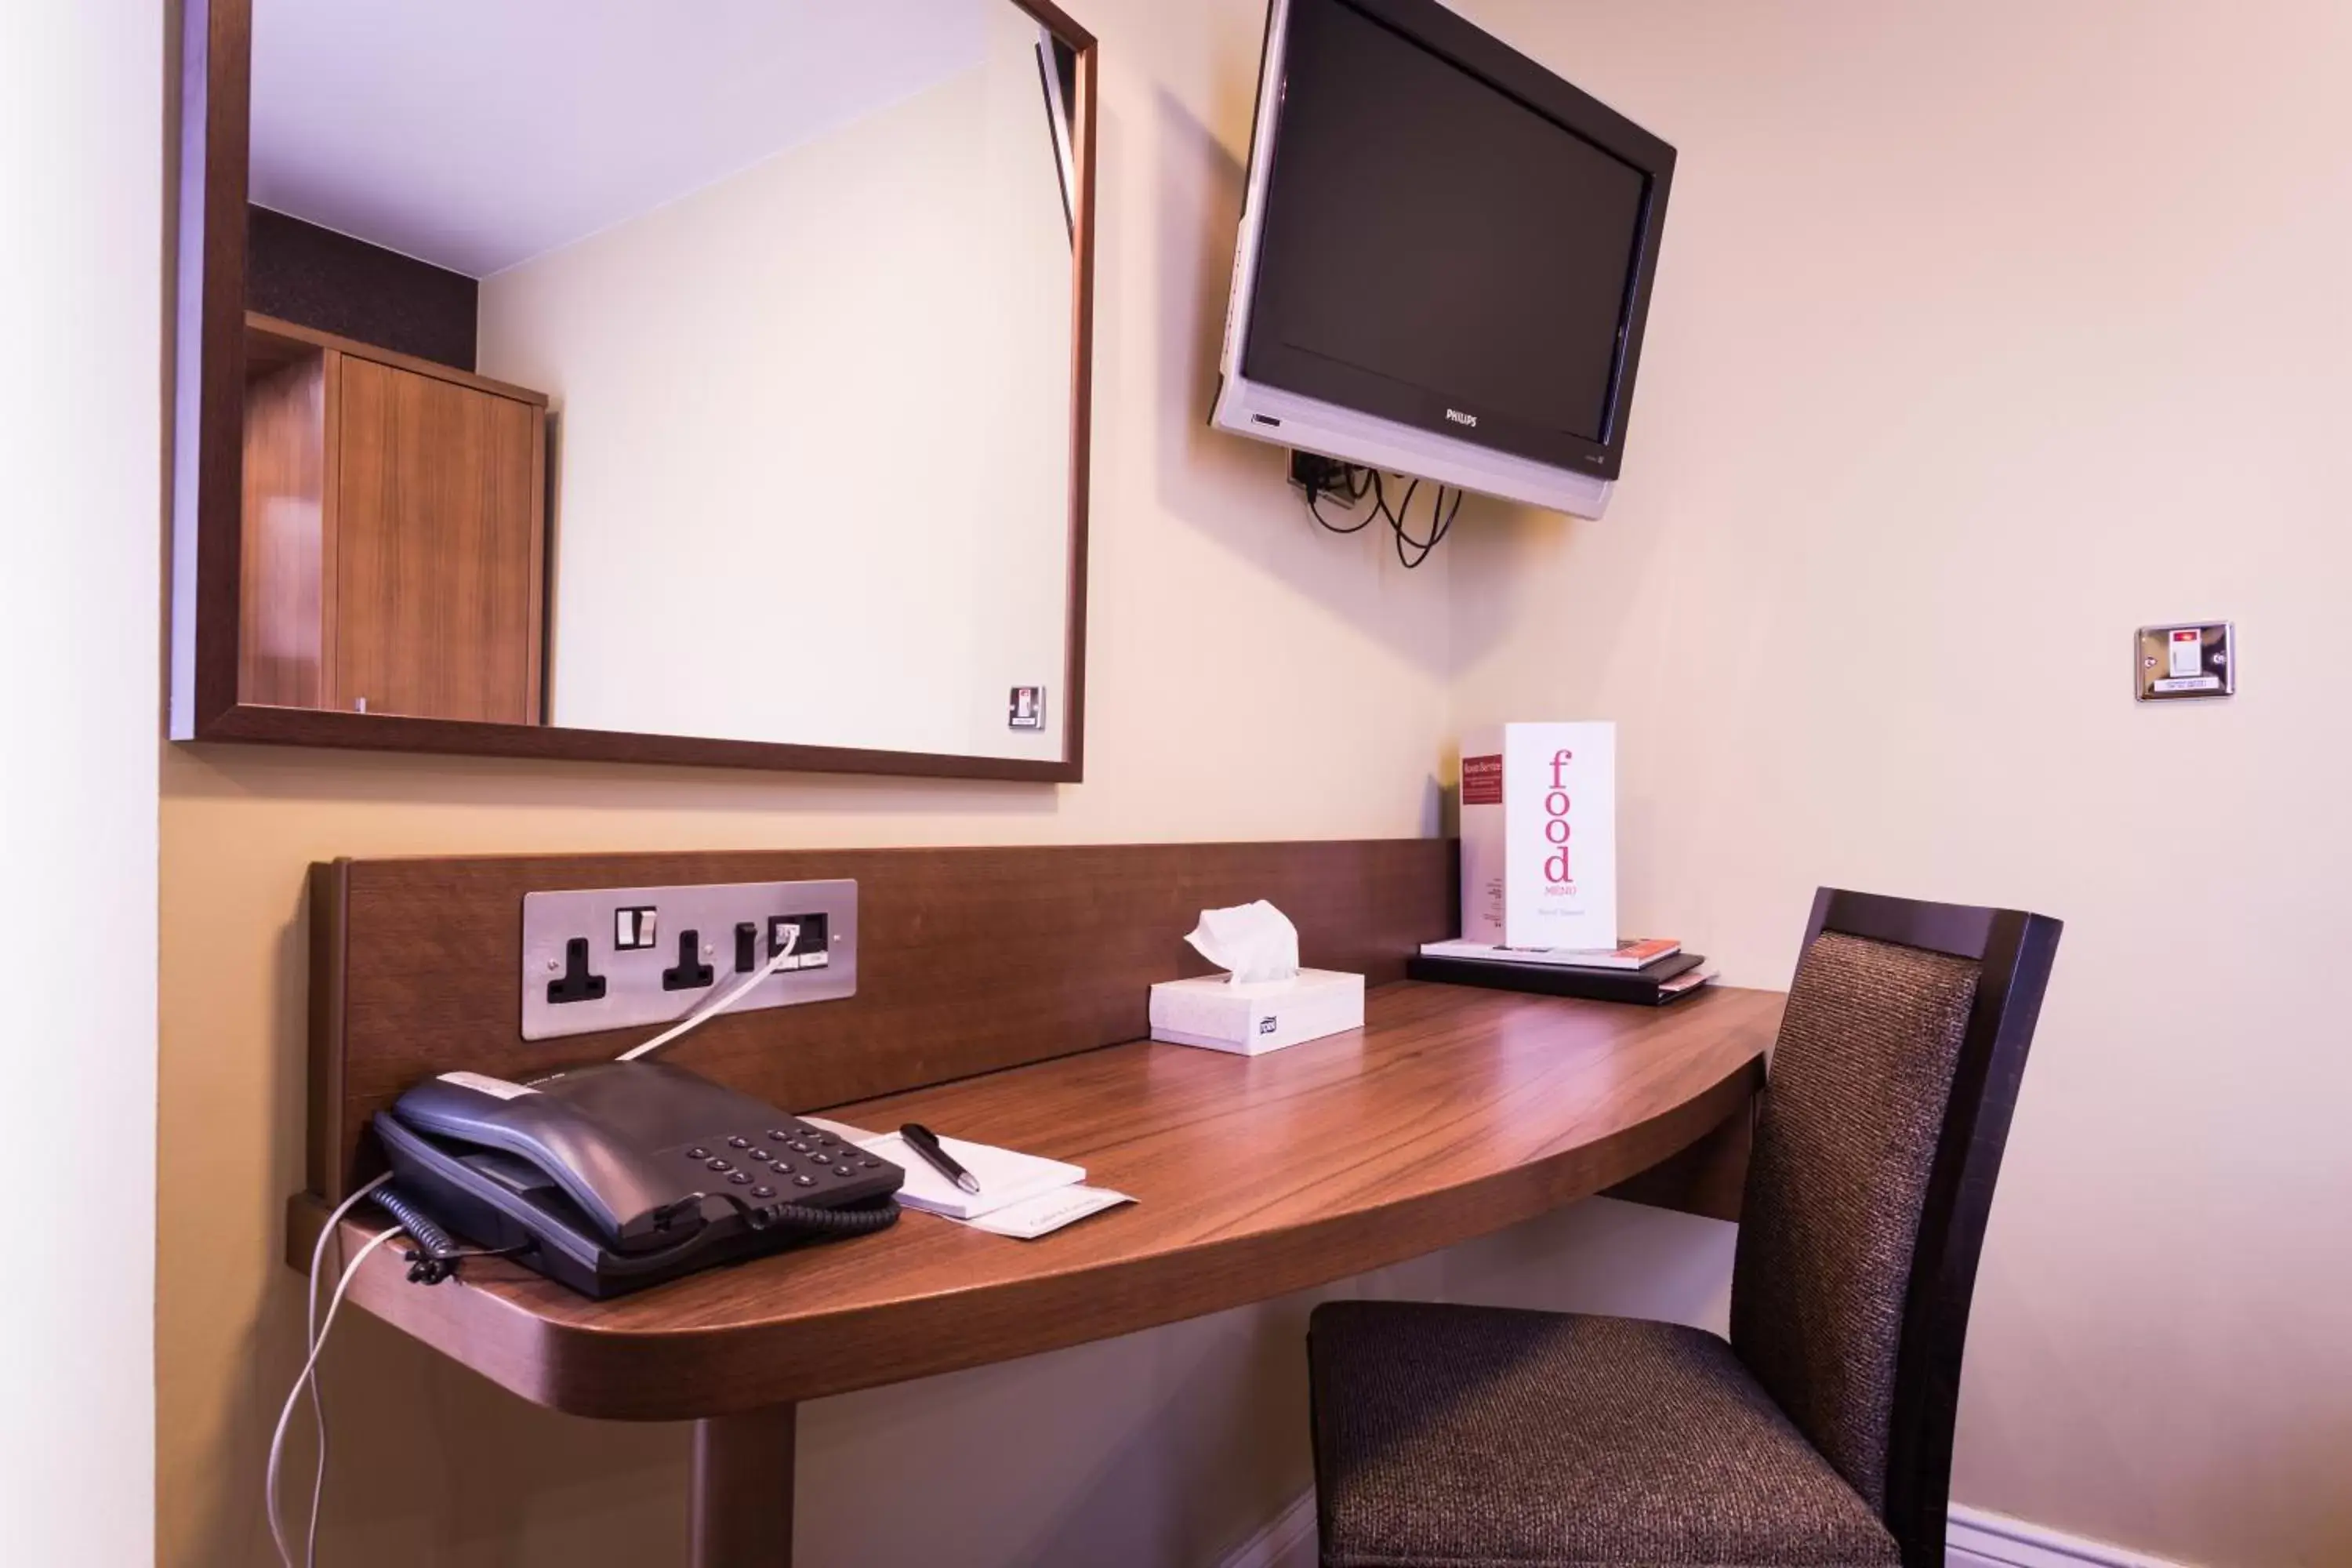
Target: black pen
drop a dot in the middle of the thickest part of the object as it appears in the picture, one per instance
(926, 1142)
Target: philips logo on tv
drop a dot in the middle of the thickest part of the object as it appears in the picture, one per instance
(1455, 416)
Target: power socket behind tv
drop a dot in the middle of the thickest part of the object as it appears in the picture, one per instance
(1319, 475)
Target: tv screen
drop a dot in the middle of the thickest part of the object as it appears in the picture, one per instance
(1452, 238)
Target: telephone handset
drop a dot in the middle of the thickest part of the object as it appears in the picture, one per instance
(621, 1174)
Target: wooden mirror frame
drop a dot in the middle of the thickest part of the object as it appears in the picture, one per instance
(208, 461)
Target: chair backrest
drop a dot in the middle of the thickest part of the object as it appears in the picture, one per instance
(1883, 1120)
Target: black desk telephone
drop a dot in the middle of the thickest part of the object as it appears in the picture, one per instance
(621, 1174)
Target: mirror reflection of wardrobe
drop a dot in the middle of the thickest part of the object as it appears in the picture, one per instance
(394, 531)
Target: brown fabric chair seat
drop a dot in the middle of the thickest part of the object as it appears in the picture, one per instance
(1482, 1437)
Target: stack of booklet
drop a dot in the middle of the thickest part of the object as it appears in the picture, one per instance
(1652, 971)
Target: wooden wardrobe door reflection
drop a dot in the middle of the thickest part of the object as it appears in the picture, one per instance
(437, 554)
(288, 536)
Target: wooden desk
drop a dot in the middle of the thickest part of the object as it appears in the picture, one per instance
(1453, 1113)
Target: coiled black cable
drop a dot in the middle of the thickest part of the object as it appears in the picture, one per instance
(827, 1222)
(435, 1256)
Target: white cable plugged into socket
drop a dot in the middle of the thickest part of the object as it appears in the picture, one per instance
(579, 976)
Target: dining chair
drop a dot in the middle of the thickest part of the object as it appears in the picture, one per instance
(1819, 1434)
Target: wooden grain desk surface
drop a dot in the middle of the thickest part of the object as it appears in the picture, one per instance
(1453, 1113)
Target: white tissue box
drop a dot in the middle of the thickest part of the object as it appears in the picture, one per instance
(1258, 1015)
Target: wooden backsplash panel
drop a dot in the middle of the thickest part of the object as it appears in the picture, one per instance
(969, 960)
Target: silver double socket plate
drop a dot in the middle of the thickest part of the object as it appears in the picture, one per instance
(615, 958)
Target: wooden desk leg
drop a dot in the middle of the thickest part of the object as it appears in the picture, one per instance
(743, 1489)
(1709, 1178)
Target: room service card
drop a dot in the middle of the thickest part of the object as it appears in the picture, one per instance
(1539, 835)
(1038, 1216)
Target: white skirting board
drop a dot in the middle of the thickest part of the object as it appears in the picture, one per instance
(1287, 1541)
(1974, 1539)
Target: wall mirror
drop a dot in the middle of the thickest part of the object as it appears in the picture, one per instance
(590, 378)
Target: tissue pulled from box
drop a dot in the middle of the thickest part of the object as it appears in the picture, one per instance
(1255, 941)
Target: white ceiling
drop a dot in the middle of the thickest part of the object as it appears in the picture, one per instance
(476, 134)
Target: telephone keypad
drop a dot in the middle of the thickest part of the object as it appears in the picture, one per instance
(802, 1156)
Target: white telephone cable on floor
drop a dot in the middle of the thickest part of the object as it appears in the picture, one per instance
(315, 1338)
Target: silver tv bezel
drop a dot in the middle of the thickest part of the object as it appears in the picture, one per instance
(1264, 412)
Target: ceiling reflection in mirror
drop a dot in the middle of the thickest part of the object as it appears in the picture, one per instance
(680, 370)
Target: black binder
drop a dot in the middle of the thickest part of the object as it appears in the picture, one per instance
(1643, 986)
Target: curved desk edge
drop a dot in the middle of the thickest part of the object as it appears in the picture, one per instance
(625, 1366)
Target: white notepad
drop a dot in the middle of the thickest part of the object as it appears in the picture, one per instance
(1038, 1216)
(1006, 1177)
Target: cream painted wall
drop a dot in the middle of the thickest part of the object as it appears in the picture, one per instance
(1984, 334)
(813, 450)
(1248, 677)
(2052, 298)
(81, 469)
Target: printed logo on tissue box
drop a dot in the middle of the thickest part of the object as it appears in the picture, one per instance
(1539, 835)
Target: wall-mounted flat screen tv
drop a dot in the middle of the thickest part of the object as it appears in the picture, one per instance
(1446, 257)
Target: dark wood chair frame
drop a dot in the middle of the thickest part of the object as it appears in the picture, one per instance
(2013, 951)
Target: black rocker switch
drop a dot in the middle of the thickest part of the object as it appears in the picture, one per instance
(747, 946)
(691, 974)
(577, 984)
